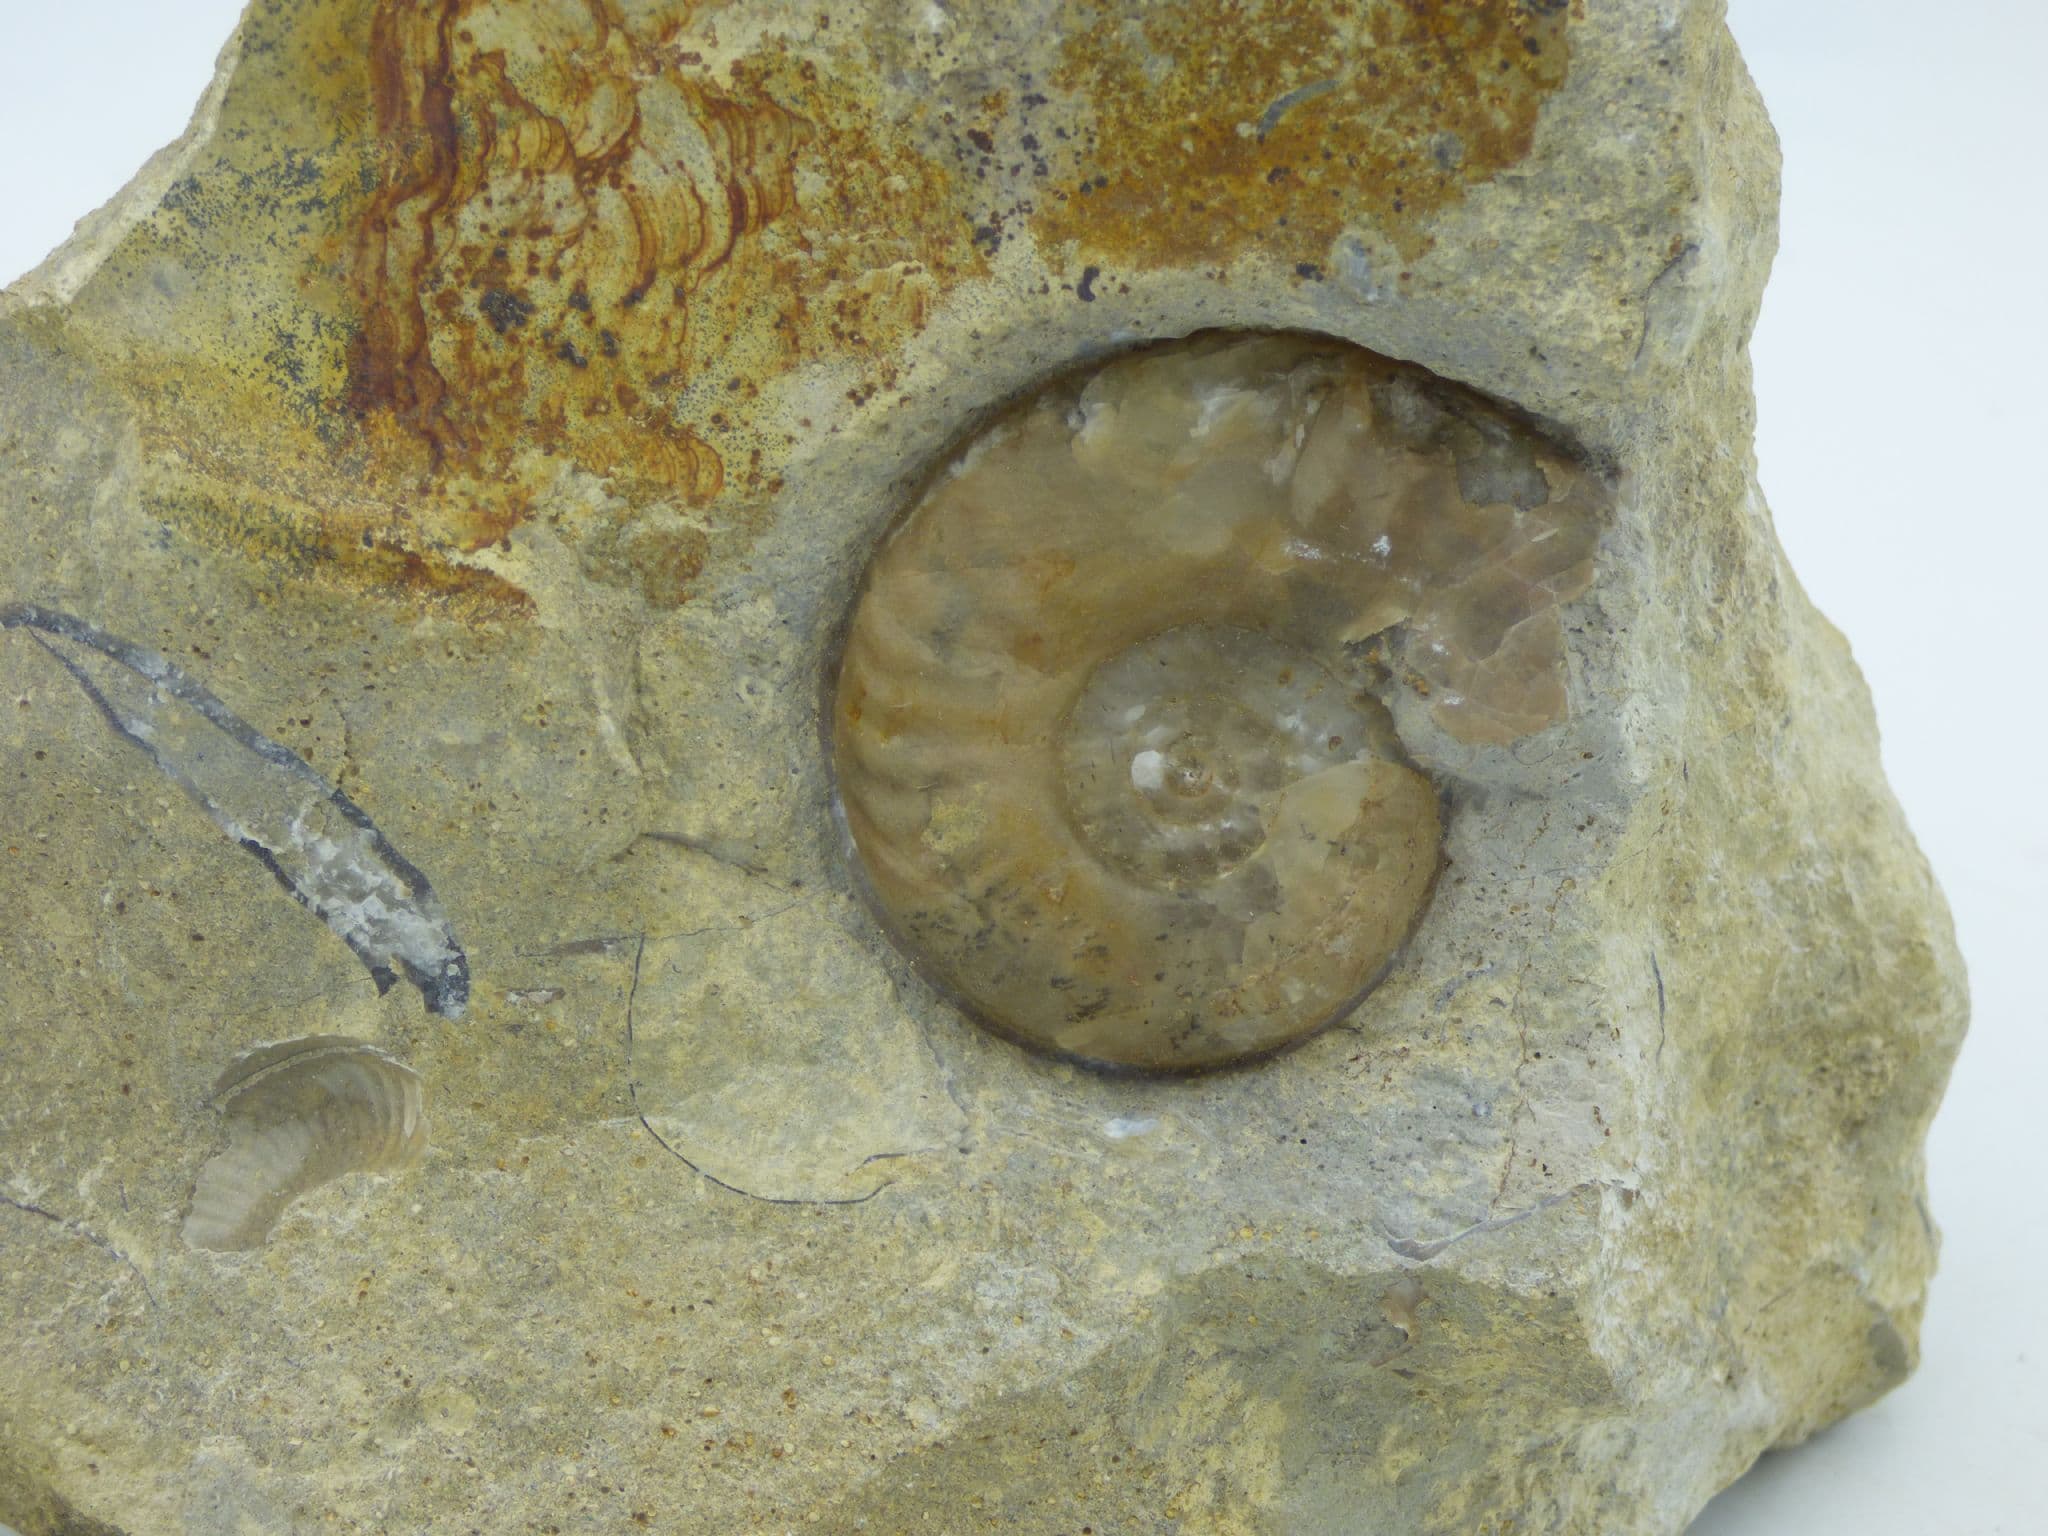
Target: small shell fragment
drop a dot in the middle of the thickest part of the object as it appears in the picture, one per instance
(300, 1113)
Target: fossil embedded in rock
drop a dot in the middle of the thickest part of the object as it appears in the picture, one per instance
(502, 405)
(300, 1113)
(318, 843)
(1109, 725)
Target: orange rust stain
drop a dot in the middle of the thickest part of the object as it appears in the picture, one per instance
(1242, 124)
(443, 251)
(527, 270)
(414, 111)
(587, 244)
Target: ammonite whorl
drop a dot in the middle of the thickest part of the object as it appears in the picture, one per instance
(1108, 727)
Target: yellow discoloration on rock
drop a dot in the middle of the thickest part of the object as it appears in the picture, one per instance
(498, 242)
(1276, 125)
(477, 244)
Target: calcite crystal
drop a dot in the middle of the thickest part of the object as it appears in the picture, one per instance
(447, 497)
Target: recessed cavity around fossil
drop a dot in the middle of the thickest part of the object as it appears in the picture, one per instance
(1111, 726)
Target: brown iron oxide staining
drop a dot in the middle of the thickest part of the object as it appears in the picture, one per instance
(1280, 123)
(588, 246)
(389, 363)
(511, 268)
(441, 252)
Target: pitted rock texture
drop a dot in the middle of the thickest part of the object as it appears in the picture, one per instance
(495, 407)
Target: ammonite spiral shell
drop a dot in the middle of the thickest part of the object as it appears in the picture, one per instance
(1109, 728)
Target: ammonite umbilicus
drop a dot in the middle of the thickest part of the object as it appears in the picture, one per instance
(1109, 728)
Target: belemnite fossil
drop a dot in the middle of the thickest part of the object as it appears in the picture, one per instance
(312, 838)
(1109, 726)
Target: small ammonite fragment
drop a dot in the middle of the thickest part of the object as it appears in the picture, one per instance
(1109, 725)
(300, 1113)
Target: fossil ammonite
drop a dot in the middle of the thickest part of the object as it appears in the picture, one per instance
(300, 1113)
(1109, 725)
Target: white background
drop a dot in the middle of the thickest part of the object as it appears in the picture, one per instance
(1900, 365)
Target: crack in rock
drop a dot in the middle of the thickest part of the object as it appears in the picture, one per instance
(1423, 1251)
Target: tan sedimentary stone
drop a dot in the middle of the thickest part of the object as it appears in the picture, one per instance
(434, 498)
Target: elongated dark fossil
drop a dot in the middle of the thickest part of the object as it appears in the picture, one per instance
(317, 843)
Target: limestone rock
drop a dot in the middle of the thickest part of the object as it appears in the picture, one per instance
(435, 493)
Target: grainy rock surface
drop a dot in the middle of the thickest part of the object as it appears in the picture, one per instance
(490, 407)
